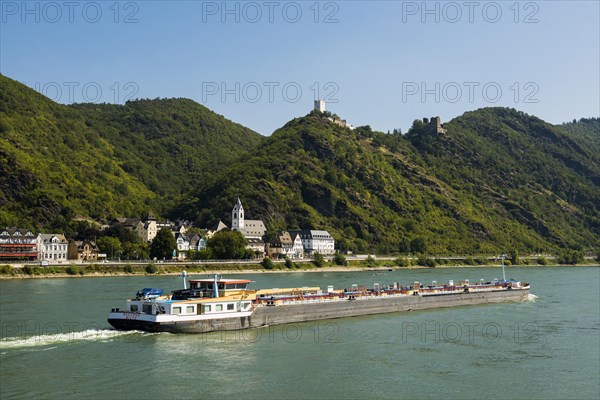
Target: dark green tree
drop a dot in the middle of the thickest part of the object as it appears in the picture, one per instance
(267, 263)
(110, 246)
(416, 125)
(136, 251)
(339, 259)
(288, 263)
(418, 245)
(151, 269)
(318, 259)
(227, 244)
(163, 245)
(80, 230)
(402, 262)
(514, 257)
(123, 234)
(371, 262)
(570, 257)
(542, 261)
(204, 254)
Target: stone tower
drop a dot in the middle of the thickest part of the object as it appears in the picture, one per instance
(320, 105)
(436, 123)
(237, 216)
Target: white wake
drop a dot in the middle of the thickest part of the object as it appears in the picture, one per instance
(532, 297)
(92, 335)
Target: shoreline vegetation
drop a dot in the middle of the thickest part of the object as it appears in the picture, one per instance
(32, 271)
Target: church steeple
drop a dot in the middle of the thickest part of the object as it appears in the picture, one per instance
(237, 216)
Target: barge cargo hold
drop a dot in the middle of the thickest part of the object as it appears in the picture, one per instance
(218, 304)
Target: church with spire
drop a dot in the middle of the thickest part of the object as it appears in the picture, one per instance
(237, 216)
(252, 229)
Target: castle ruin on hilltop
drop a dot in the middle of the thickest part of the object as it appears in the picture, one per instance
(434, 125)
(320, 106)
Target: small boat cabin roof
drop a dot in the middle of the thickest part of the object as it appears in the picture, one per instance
(221, 284)
(228, 281)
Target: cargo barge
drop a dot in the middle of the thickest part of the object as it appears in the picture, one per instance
(217, 304)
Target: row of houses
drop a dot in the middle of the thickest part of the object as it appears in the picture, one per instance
(296, 244)
(148, 227)
(300, 243)
(22, 244)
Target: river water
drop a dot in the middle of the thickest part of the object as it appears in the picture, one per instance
(55, 343)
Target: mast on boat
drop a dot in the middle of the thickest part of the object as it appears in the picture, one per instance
(502, 257)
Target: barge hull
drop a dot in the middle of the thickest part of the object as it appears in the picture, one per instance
(310, 312)
(303, 312)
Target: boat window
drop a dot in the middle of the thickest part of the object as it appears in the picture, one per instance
(205, 308)
(176, 310)
(219, 307)
(230, 307)
(189, 309)
(238, 286)
(147, 308)
(133, 307)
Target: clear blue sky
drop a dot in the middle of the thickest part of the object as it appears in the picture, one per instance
(385, 62)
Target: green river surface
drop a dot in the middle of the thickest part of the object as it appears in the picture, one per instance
(56, 343)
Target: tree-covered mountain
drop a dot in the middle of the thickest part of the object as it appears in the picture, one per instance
(497, 179)
(586, 129)
(53, 166)
(102, 161)
(524, 170)
(169, 144)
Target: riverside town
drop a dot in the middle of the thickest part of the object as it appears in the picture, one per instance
(299, 200)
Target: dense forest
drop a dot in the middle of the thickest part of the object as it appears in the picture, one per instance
(169, 144)
(101, 161)
(496, 179)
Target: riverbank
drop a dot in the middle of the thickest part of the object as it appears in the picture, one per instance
(8, 272)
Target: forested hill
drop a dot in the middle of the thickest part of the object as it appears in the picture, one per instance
(497, 179)
(101, 161)
(587, 129)
(169, 144)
